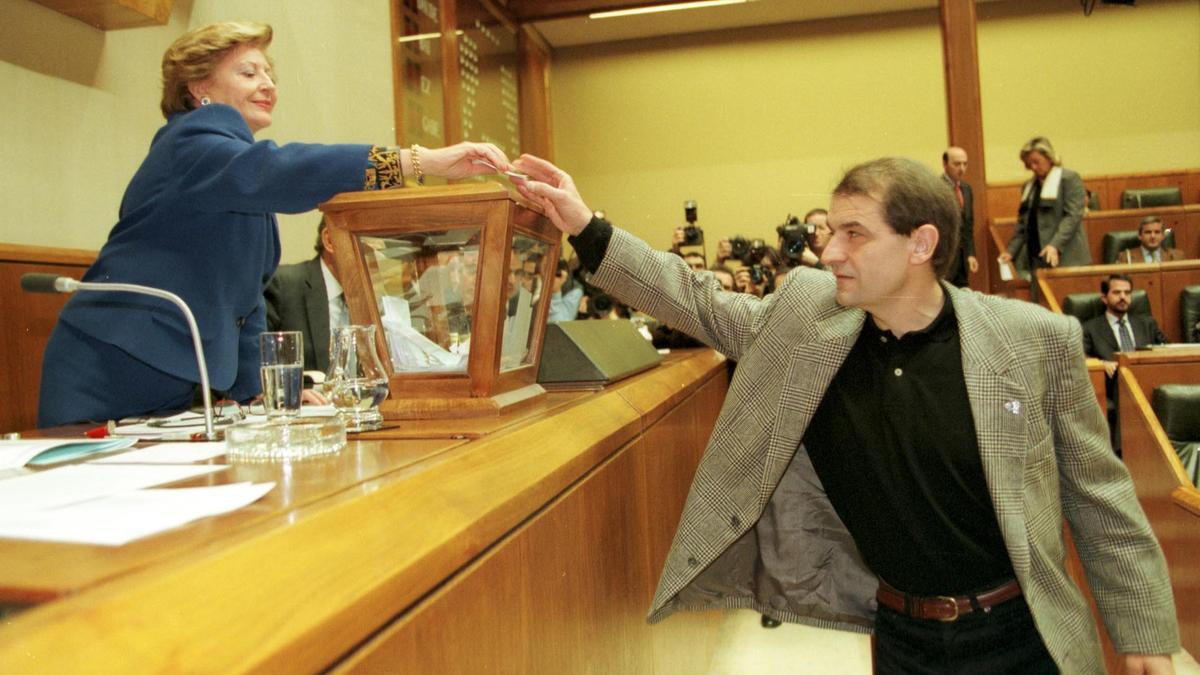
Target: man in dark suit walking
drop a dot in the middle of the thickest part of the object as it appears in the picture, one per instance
(307, 297)
(954, 164)
(1116, 330)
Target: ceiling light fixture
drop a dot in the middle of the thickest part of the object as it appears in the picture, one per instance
(697, 4)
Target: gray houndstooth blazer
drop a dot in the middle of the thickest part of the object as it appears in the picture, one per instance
(758, 532)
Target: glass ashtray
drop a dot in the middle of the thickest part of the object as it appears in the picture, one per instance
(283, 439)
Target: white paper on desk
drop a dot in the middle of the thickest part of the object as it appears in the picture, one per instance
(18, 453)
(118, 519)
(81, 482)
(167, 453)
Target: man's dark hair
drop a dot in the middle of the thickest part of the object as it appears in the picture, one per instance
(1104, 283)
(815, 212)
(945, 156)
(320, 247)
(911, 195)
(1147, 220)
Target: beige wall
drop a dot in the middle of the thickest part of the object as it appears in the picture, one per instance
(80, 105)
(753, 124)
(1116, 92)
(757, 123)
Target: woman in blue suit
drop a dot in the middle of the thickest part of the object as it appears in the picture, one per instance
(198, 220)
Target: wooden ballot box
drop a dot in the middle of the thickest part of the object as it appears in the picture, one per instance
(457, 281)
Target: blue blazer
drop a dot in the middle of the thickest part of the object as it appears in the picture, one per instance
(198, 220)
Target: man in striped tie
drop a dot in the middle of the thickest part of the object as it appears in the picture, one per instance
(954, 164)
(1117, 330)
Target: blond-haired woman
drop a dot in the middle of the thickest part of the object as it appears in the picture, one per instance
(1050, 230)
(197, 219)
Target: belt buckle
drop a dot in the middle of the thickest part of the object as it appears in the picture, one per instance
(953, 603)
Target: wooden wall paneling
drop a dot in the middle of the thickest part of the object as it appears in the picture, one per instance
(683, 643)
(1175, 277)
(1191, 193)
(534, 52)
(1187, 237)
(1157, 367)
(567, 592)
(451, 81)
(1003, 200)
(964, 116)
(1157, 475)
(28, 319)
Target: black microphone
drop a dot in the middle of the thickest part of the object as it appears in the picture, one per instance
(40, 282)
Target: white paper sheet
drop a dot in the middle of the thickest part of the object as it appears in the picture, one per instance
(82, 482)
(16, 453)
(118, 519)
(167, 453)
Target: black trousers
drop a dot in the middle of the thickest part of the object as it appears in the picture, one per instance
(1003, 640)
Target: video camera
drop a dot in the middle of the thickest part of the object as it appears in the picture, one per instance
(692, 234)
(793, 238)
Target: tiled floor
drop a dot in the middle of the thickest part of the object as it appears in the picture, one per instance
(746, 648)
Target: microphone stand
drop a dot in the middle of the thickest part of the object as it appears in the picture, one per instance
(69, 285)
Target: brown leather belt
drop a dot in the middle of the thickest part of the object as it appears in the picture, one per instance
(944, 607)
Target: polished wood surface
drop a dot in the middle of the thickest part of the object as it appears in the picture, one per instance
(28, 320)
(570, 588)
(1005, 198)
(1155, 367)
(345, 549)
(1164, 489)
(114, 14)
(964, 114)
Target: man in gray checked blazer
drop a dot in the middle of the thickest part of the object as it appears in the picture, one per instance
(885, 431)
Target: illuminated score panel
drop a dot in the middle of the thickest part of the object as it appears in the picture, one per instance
(421, 49)
(487, 65)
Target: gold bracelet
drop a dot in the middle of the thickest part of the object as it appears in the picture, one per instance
(415, 154)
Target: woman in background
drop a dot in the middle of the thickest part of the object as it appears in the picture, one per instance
(197, 219)
(1050, 231)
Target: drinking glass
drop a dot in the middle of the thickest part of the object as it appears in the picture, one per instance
(356, 381)
(282, 370)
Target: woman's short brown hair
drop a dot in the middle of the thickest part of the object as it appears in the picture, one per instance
(194, 55)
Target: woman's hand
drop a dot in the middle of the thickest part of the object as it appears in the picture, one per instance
(1050, 255)
(551, 188)
(461, 160)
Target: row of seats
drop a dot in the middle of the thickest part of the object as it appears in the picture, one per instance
(1084, 306)
(1119, 240)
(1144, 198)
(1177, 407)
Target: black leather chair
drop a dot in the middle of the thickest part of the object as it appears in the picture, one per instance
(1177, 407)
(1084, 306)
(1141, 198)
(1118, 240)
(1189, 313)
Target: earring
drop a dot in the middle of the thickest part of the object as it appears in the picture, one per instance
(204, 100)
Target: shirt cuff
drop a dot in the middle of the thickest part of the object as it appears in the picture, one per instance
(592, 243)
(385, 171)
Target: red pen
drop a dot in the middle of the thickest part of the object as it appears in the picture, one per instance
(102, 431)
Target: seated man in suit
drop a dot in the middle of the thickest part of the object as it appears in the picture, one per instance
(307, 297)
(1150, 233)
(1116, 330)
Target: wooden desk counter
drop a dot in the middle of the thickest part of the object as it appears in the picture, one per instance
(341, 549)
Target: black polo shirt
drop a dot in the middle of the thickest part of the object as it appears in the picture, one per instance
(894, 444)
